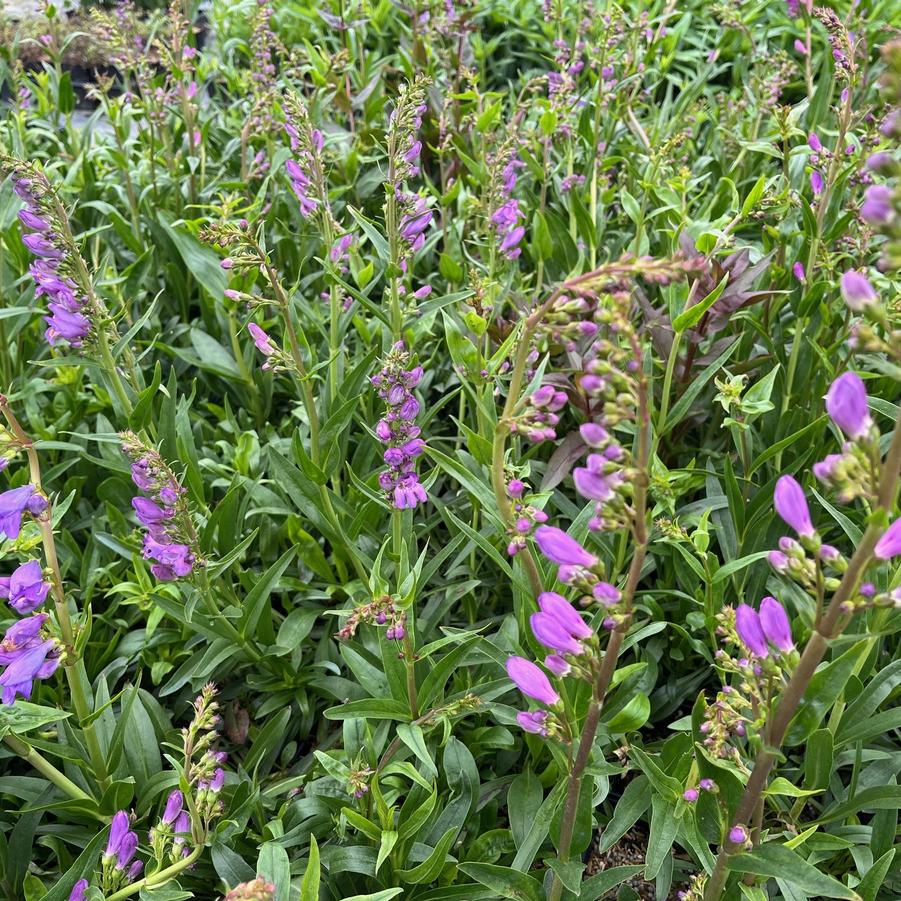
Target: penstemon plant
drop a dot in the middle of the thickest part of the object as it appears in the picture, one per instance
(450, 450)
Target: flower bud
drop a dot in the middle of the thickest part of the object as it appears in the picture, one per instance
(531, 681)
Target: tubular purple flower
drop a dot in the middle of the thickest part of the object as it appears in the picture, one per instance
(791, 505)
(262, 341)
(750, 631)
(560, 609)
(127, 848)
(814, 142)
(557, 664)
(32, 663)
(606, 593)
(531, 681)
(78, 890)
(592, 485)
(532, 722)
(593, 434)
(14, 503)
(118, 829)
(174, 805)
(775, 624)
(559, 548)
(816, 183)
(552, 635)
(846, 404)
(25, 589)
(691, 795)
(857, 292)
(778, 561)
(889, 545)
(877, 208)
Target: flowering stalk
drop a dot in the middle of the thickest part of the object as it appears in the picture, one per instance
(611, 655)
(73, 665)
(829, 627)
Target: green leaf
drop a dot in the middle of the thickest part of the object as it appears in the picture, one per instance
(692, 316)
(273, 863)
(411, 735)
(201, 262)
(387, 841)
(370, 708)
(430, 868)
(776, 860)
(505, 882)
(255, 601)
(824, 689)
(597, 886)
(23, 717)
(309, 886)
(524, 798)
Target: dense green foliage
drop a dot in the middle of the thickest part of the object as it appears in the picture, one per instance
(690, 175)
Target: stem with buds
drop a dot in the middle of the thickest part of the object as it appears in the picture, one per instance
(74, 667)
(828, 628)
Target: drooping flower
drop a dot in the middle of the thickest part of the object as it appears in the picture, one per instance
(174, 805)
(78, 890)
(32, 663)
(877, 208)
(750, 631)
(791, 505)
(846, 404)
(889, 545)
(14, 503)
(775, 624)
(558, 608)
(551, 633)
(531, 681)
(26, 588)
(533, 722)
(857, 291)
(561, 549)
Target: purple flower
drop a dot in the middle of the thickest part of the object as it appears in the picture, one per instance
(798, 271)
(791, 505)
(31, 220)
(25, 589)
(42, 247)
(691, 795)
(606, 593)
(64, 323)
(816, 183)
(148, 513)
(262, 341)
(531, 681)
(174, 806)
(846, 404)
(592, 484)
(14, 503)
(857, 291)
(738, 835)
(814, 142)
(876, 208)
(533, 722)
(559, 548)
(551, 634)
(118, 830)
(33, 663)
(775, 624)
(889, 545)
(78, 890)
(557, 664)
(127, 848)
(593, 434)
(340, 248)
(558, 608)
(750, 631)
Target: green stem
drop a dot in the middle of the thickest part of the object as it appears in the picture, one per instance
(158, 878)
(45, 768)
